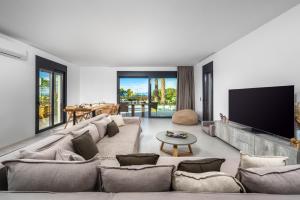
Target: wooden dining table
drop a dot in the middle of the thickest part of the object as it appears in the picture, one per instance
(74, 110)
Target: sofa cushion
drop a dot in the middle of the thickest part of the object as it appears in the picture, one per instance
(110, 150)
(63, 143)
(80, 125)
(138, 159)
(247, 161)
(92, 129)
(143, 178)
(101, 126)
(272, 180)
(54, 176)
(142, 196)
(85, 146)
(201, 165)
(125, 142)
(217, 182)
(112, 129)
(118, 119)
(127, 133)
(44, 155)
(66, 155)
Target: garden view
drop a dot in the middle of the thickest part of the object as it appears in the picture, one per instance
(163, 94)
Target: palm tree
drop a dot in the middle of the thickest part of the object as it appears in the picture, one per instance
(163, 91)
(156, 93)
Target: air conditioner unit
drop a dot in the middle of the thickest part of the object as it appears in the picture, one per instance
(12, 49)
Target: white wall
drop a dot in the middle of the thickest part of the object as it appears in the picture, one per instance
(269, 56)
(17, 93)
(99, 84)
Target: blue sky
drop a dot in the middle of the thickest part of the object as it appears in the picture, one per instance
(140, 85)
(44, 75)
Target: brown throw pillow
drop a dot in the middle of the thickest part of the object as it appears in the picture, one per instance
(85, 146)
(112, 129)
(138, 159)
(200, 166)
(3, 177)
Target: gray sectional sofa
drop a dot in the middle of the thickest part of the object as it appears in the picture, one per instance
(142, 196)
(125, 142)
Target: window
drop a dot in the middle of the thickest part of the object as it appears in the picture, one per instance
(148, 94)
(50, 94)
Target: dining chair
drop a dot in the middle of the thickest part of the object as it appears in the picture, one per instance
(123, 107)
(154, 105)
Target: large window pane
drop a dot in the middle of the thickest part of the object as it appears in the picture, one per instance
(134, 91)
(58, 98)
(45, 88)
(163, 97)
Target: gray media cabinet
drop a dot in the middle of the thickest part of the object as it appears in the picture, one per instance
(253, 143)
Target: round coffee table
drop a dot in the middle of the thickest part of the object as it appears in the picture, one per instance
(191, 139)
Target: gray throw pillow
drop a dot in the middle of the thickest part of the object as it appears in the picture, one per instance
(101, 126)
(202, 165)
(53, 176)
(142, 178)
(85, 146)
(271, 180)
(66, 155)
(112, 129)
(138, 159)
(43, 155)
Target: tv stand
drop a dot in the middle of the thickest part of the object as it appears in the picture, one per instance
(255, 143)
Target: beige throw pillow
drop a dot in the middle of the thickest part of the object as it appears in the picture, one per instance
(247, 161)
(91, 128)
(118, 119)
(216, 182)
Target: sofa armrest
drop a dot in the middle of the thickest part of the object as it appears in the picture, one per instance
(132, 120)
(3, 178)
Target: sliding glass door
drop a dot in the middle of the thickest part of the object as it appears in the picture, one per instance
(163, 97)
(50, 94)
(148, 94)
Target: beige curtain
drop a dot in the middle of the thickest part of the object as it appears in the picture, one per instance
(185, 88)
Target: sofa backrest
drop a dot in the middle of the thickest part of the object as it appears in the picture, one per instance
(80, 125)
(57, 138)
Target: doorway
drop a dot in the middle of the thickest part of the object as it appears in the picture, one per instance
(50, 94)
(207, 83)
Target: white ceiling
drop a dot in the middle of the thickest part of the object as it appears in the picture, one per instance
(135, 32)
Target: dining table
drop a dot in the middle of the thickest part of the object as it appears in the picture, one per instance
(74, 110)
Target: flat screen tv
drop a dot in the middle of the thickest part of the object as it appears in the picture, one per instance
(267, 109)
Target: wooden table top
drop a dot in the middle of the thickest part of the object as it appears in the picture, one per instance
(86, 108)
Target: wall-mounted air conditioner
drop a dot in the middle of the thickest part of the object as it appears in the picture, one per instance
(12, 49)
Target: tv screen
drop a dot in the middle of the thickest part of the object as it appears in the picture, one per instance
(268, 109)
